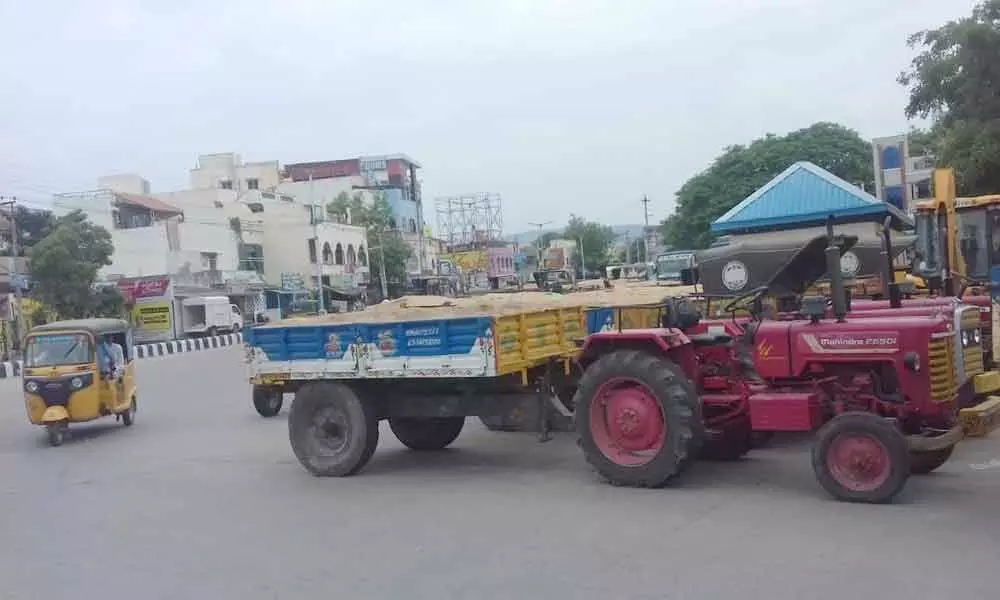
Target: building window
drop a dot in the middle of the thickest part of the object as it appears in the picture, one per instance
(362, 257)
(253, 183)
(352, 257)
(225, 184)
(312, 250)
(413, 226)
(327, 254)
(339, 255)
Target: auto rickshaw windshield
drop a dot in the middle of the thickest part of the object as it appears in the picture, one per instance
(50, 350)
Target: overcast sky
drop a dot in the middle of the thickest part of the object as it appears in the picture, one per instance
(559, 106)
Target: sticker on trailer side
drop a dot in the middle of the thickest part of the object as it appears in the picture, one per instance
(419, 349)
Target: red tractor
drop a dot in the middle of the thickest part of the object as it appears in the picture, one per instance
(881, 391)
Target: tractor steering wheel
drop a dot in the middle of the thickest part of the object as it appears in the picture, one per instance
(748, 299)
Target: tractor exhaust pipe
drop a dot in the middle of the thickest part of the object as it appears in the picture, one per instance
(836, 278)
(892, 291)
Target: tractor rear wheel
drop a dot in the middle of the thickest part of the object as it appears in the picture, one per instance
(638, 417)
(428, 433)
(332, 431)
(861, 457)
(922, 463)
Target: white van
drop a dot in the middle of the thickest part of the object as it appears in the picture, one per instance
(210, 315)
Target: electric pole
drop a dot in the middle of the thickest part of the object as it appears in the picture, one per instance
(645, 231)
(15, 279)
(538, 240)
(314, 221)
(381, 267)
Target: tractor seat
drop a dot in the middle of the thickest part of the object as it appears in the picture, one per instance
(710, 339)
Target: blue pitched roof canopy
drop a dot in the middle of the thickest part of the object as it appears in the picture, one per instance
(806, 195)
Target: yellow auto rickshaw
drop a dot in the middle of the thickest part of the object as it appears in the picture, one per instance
(76, 371)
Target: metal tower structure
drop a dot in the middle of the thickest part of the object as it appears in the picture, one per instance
(469, 220)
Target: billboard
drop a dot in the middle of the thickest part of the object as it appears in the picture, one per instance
(151, 299)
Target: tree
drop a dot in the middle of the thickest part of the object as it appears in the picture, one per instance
(740, 170)
(954, 79)
(592, 241)
(64, 266)
(384, 238)
(32, 226)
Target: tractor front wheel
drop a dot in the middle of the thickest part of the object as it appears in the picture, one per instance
(922, 463)
(861, 457)
(638, 418)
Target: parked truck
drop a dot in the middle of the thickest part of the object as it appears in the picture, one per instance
(210, 315)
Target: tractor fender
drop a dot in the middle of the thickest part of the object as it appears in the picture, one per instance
(55, 414)
(664, 342)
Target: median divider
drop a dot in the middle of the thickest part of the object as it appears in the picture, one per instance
(154, 349)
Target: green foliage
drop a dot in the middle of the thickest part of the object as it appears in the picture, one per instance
(741, 170)
(954, 80)
(594, 239)
(383, 238)
(65, 263)
(108, 302)
(32, 226)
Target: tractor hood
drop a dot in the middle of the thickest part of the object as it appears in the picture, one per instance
(787, 266)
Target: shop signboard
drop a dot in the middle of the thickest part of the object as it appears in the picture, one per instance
(152, 313)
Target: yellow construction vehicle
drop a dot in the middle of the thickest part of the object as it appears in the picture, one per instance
(957, 252)
(958, 239)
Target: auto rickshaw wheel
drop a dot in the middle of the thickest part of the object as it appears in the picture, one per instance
(128, 417)
(56, 433)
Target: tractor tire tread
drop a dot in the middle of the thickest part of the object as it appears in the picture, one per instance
(682, 411)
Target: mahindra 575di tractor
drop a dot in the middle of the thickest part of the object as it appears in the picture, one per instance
(880, 391)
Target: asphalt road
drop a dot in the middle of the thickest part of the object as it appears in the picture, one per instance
(203, 499)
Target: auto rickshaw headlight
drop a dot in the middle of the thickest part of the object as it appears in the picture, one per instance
(977, 335)
(76, 383)
(31, 386)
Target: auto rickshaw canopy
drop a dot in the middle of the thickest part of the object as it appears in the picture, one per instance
(98, 326)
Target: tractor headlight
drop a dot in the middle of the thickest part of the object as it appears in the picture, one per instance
(76, 383)
(31, 386)
(912, 361)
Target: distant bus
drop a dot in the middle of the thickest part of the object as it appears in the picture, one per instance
(670, 264)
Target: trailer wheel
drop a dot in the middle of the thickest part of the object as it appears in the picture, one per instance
(922, 463)
(428, 433)
(267, 400)
(500, 423)
(332, 432)
(638, 418)
(861, 457)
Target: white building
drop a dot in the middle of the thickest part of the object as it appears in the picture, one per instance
(191, 235)
(299, 241)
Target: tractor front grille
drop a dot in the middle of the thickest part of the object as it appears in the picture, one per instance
(972, 353)
(941, 366)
